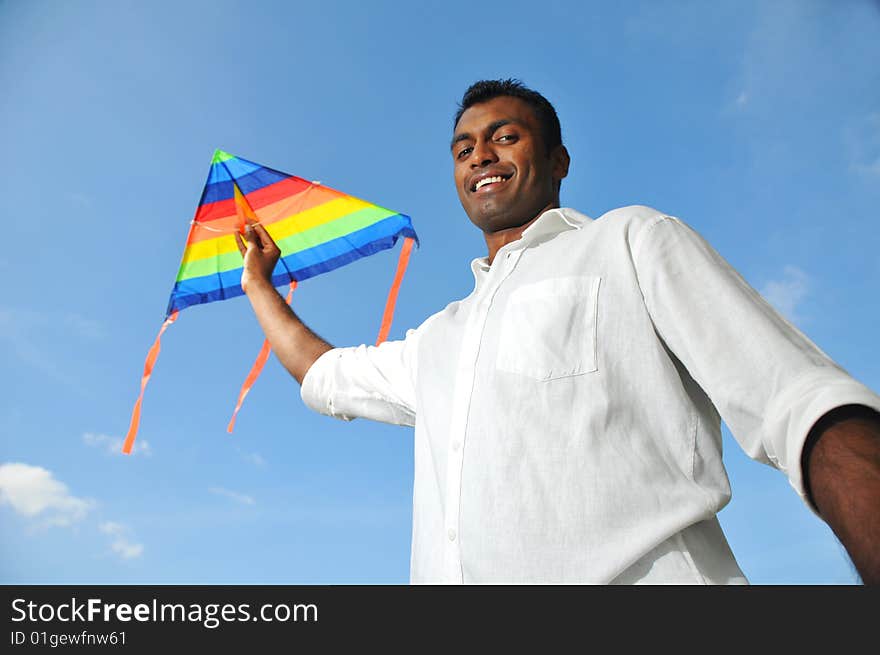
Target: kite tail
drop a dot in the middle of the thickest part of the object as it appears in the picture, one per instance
(152, 355)
(388, 316)
(256, 369)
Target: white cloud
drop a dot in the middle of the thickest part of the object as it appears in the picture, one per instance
(81, 200)
(113, 445)
(84, 326)
(25, 322)
(254, 458)
(32, 335)
(17, 328)
(244, 499)
(863, 141)
(869, 169)
(34, 493)
(786, 293)
(122, 545)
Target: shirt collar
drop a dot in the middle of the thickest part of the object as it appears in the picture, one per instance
(548, 224)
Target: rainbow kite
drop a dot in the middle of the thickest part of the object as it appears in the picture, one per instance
(317, 229)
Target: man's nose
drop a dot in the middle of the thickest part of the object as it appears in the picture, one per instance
(483, 154)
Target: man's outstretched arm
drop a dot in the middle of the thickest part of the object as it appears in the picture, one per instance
(841, 463)
(295, 345)
(768, 382)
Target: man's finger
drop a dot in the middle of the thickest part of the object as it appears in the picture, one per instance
(265, 237)
(240, 243)
(251, 236)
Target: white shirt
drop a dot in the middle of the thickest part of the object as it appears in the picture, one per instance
(566, 412)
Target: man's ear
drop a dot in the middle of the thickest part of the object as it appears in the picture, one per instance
(560, 161)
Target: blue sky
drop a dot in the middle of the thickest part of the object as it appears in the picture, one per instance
(757, 123)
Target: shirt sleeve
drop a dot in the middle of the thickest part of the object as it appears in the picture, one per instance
(374, 382)
(767, 380)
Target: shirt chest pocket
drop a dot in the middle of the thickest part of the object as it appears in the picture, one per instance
(549, 329)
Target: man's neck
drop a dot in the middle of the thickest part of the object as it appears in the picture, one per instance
(497, 240)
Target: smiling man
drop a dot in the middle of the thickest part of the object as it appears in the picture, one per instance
(508, 168)
(567, 412)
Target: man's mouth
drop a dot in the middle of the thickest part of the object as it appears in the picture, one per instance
(487, 181)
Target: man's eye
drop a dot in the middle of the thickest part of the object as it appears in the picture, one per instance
(507, 137)
(463, 152)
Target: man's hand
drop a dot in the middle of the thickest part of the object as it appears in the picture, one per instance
(841, 462)
(260, 254)
(295, 345)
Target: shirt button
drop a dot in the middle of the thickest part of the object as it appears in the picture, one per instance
(451, 534)
(456, 445)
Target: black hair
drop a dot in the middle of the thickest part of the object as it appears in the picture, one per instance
(485, 90)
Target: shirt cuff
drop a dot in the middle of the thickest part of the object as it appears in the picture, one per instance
(794, 416)
(317, 388)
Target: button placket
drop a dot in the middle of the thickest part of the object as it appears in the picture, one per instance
(464, 385)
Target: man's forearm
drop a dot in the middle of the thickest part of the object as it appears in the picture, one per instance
(842, 467)
(295, 345)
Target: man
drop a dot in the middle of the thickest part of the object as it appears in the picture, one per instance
(565, 411)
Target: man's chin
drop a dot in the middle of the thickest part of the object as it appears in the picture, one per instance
(483, 216)
(495, 220)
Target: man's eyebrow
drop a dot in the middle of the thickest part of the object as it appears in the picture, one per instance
(464, 136)
(490, 129)
(500, 123)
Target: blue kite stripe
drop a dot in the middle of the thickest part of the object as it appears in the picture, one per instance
(220, 172)
(258, 179)
(239, 167)
(341, 260)
(282, 279)
(305, 264)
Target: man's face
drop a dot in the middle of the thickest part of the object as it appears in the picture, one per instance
(503, 173)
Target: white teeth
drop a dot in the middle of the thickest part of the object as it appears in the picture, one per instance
(487, 180)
